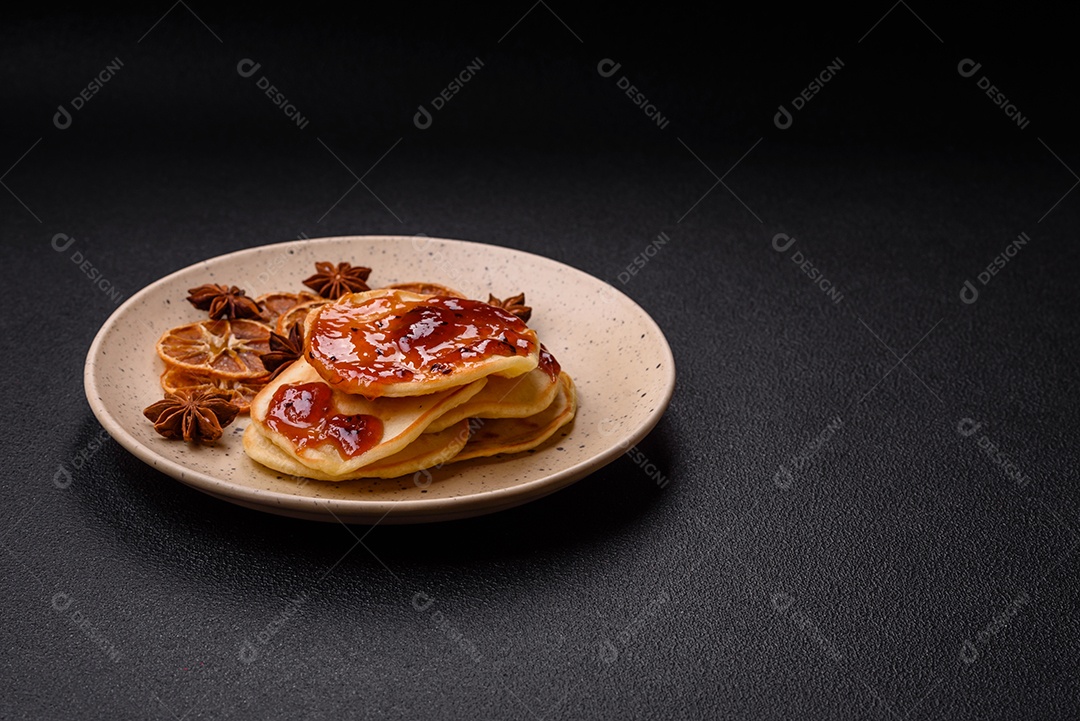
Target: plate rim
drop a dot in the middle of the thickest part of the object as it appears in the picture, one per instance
(469, 504)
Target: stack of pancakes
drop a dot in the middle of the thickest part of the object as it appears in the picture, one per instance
(392, 382)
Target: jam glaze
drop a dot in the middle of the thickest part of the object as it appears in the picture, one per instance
(549, 365)
(362, 348)
(303, 413)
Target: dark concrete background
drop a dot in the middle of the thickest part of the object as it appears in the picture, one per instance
(830, 543)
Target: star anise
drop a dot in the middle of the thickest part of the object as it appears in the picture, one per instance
(193, 414)
(335, 281)
(223, 301)
(283, 351)
(515, 304)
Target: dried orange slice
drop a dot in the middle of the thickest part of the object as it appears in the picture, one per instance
(226, 348)
(275, 305)
(297, 314)
(239, 390)
(422, 288)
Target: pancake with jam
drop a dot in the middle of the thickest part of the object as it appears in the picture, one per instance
(525, 395)
(423, 288)
(430, 449)
(335, 433)
(395, 343)
(491, 437)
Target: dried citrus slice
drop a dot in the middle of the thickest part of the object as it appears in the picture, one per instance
(275, 305)
(239, 390)
(422, 288)
(297, 314)
(226, 348)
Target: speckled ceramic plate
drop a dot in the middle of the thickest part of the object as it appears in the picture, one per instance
(618, 356)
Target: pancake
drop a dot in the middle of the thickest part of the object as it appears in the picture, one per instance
(514, 435)
(336, 433)
(525, 395)
(430, 449)
(394, 343)
(423, 288)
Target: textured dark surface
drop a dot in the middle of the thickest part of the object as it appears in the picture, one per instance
(899, 571)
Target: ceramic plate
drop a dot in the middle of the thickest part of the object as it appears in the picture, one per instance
(618, 356)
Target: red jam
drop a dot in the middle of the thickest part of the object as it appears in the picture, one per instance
(363, 348)
(303, 414)
(548, 364)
